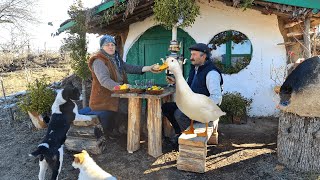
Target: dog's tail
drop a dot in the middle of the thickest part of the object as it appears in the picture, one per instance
(42, 149)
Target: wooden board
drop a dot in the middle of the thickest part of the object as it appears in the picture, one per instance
(91, 132)
(193, 152)
(92, 146)
(193, 140)
(92, 122)
(191, 164)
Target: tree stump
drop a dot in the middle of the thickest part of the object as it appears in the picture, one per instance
(298, 143)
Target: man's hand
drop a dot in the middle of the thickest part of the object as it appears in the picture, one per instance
(170, 80)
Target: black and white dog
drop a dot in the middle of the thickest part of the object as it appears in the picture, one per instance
(64, 112)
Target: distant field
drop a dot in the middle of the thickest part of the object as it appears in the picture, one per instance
(17, 81)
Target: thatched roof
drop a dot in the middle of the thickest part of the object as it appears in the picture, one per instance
(138, 10)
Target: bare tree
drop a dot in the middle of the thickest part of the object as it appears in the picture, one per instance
(17, 12)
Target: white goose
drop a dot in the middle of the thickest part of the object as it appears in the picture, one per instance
(196, 106)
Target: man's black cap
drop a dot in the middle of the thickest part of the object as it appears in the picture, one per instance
(200, 47)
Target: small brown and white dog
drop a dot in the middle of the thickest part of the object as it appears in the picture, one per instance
(89, 170)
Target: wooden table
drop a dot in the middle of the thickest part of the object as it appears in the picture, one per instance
(154, 120)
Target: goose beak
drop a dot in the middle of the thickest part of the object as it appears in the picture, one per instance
(163, 66)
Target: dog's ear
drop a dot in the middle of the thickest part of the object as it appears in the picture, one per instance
(42, 148)
(35, 153)
(78, 158)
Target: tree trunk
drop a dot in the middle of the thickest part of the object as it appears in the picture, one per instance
(299, 142)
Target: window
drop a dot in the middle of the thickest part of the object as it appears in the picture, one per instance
(232, 51)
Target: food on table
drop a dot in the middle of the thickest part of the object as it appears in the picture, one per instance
(155, 88)
(121, 87)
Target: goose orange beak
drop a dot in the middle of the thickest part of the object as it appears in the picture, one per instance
(163, 66)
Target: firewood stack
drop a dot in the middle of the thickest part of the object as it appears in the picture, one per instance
(86, 135)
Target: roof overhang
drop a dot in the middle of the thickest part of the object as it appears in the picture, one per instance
(290, 9)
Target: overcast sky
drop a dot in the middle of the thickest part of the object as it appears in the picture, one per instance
(55, 12)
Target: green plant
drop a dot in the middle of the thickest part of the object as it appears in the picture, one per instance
(109, 14)
(168, 12)
(39, 98)
(76, 43)
(235, 105)
(235, 68)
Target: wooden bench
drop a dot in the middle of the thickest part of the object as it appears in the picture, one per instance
(193, 149)
(86, 135)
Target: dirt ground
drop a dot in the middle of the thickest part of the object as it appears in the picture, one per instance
(246, 151)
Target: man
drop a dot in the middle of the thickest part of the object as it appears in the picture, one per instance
(109, 70)
(204, 78)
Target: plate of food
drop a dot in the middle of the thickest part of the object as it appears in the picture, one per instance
(120, 89)
(155, 90)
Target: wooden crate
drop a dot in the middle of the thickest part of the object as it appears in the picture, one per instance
(193, 149)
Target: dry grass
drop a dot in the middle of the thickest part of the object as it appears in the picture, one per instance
(17, 81)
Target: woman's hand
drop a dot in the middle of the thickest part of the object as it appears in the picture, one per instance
(153, 68)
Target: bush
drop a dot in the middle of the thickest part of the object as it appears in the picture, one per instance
(39, 97)
(235, 105)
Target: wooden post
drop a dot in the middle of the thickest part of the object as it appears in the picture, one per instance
(154, 127)
(306, 38)
(298, 145)
(134, 118)
(5, 100)
(168, 130)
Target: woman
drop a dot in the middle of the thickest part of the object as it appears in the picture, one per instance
(109, 70)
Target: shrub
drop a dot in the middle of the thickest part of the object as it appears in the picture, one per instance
(235, 105)
(39, 97)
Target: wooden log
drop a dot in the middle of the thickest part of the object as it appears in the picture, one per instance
(293, 34)
(298, 145)
(191, 164)
(37, 120)
(291, 24)
(287, 43)
(134, 119)
(193, 152)
(193, 140)
(213, 140)
(92, 146)
(154, 127)
(80, 122)
(91, 132)
(168, 130)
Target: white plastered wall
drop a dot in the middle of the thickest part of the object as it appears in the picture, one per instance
(262, 30)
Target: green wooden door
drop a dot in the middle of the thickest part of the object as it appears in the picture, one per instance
(151, 47)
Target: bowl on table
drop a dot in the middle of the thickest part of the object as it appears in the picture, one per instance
(120, 89)
(155, 90)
